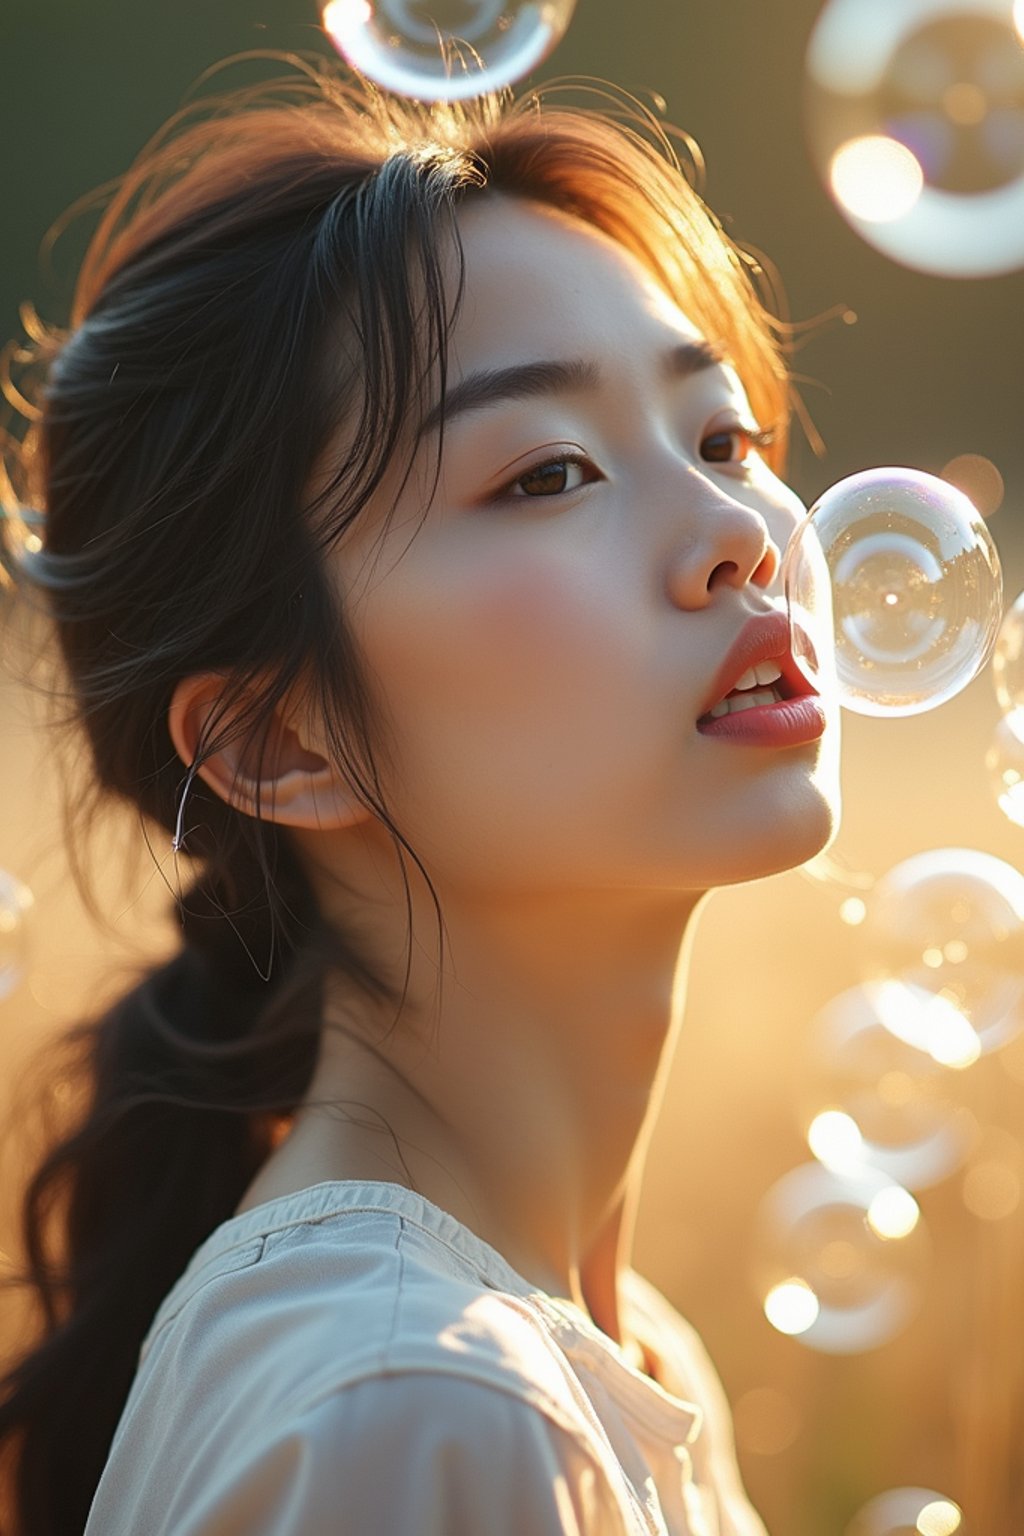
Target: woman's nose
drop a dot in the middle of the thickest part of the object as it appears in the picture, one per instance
(723, 544)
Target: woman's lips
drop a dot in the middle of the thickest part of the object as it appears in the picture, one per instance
(786, 723)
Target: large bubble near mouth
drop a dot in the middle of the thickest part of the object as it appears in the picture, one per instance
(915, 112)
(445, 50)
(906, 568)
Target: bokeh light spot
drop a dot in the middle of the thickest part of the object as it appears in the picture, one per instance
(979, 479)
(991, 1190)
(835, 1140)
(766, 1421)
(876, 178)
(791, 1307)
(893, 1213)
(940, 1518)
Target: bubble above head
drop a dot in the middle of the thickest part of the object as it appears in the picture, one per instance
(915, 112)
(445, 50)
(915, 590)
(908, 1512)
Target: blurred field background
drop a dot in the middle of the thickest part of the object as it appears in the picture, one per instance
(931, 370)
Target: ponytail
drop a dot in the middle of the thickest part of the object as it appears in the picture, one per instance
(190, 1075)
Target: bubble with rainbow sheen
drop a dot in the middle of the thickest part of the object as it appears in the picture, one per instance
(16, 904)
(915, 116)
(445, 50)
(894, 590)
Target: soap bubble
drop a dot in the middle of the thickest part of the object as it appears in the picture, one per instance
(445, 50)
(916, 116)
(896, 1098)
(944, 947)
(908, 1512)
(835, 1268)
(916, 591)
(1008, 659)
(1005, 763)
(15, 906)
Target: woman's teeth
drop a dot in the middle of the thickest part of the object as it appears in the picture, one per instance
(752, 691)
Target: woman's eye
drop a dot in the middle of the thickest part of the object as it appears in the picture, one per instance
(734, 445)
(555, 476)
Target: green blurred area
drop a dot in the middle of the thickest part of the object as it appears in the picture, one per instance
(932, 369)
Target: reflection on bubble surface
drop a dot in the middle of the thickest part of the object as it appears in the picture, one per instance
(828, 1274)
(445, 50)
(915, 586)
(940, 83)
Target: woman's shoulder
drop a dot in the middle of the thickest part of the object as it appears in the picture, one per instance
(307, 1294)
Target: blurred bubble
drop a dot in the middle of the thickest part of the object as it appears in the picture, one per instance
(445, 50)
(915, 585)
(908, 1512)
(15, 906)
(991, 1190)
(1008, 659)
(827, 1274)
(944, 953)
(916, 118)
(890, 1106)
(1005, 763)
(979, 479)
(766, 1421)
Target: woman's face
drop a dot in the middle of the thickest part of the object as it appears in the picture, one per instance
(549, 639)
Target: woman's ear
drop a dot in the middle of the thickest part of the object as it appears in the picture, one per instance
(297, 786)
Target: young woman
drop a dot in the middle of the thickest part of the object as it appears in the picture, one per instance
(411, 536)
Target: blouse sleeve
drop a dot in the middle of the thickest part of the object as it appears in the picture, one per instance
(421, 1454)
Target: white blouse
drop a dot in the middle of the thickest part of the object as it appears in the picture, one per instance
(350, 1360)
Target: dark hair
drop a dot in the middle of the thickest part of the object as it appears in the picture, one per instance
(179, 428)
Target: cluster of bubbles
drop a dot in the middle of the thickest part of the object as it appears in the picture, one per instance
(942, 985)
(445, 50)
(915, 115)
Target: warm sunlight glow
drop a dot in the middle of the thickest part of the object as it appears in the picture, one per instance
(836, 1141)
(940, 1518)
(853, 912)
(345, 18)
(791, 1307)
(1018, 18)
(893, 1213)
(876, 178)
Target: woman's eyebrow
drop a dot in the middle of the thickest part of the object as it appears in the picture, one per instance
(521, 381)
